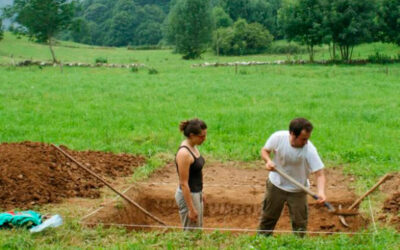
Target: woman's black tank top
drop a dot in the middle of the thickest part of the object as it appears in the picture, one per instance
(195, 173)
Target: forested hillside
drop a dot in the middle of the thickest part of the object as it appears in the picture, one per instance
(140, 22)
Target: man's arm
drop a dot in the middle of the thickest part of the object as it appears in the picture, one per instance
(266, 156)
(320, 179)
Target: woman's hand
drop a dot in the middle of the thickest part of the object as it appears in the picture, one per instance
(193, 215)
(321, 197)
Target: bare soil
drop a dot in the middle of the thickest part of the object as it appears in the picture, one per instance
(34, 173)
(233, 195)
(391, 206)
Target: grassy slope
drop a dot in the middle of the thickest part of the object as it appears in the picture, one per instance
(354, 109)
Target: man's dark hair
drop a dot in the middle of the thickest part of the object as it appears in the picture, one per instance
(194, 126)
(298, 124)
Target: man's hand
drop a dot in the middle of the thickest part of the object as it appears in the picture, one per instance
(321, 197)
(270, 166)
(193, 215)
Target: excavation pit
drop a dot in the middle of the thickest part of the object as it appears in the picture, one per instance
(233, 202)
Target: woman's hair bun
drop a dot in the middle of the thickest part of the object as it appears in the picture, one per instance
(183, 125)
(193, 126)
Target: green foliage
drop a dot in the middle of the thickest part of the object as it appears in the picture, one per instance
(1, 29)
(43, 19)
(80, 31)
(189, 27)
(96, 12)
(264, 12)
(382, 58)
(148, 33)
(302, 21)
(221, 18)
(119, 22)
(348, 23)
(101, 60)
(241, 39)
(134, 69)
(121, 29)
(286, 48)
(153, 71)
(389, 21)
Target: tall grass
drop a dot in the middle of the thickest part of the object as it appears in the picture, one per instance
(354, 109)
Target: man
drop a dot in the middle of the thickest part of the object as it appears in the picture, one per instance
(297, 157)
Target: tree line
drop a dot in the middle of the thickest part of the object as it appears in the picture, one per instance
(342, 24)
(227, 27)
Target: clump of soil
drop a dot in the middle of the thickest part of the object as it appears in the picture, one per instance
(34, 173)
(233, 201)
(391, 206)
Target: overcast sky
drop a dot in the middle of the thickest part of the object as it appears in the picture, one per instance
(4, 3)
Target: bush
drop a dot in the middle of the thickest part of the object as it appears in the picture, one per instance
(152, 71)
(241, 39)
(135, 69)
(101, 60)
(148, 47)
(286, 48)
(380, 58)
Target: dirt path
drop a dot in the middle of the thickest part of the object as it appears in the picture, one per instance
(233, 200)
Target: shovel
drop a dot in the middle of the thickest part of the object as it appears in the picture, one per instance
(330, 207)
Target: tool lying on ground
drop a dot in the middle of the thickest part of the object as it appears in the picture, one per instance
(358, 201)
(330, 207)
(111, 187)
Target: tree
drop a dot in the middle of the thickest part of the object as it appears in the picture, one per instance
(96, 12)
(80, 31)
(122, 29)
(242, 38)
(189, 27)
(43, 19)
(389, 20)
(264, 12)
(348, 23)
(302, 21)
(148, 33)
(1, 29)
(221, 19)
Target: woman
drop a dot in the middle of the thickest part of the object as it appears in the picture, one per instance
(189, 165)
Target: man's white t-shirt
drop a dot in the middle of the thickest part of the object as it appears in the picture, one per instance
(296, 162)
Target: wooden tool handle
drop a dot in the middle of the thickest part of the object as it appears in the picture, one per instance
(292, 180)
(109, 185)
(308, 191)
(358, 201)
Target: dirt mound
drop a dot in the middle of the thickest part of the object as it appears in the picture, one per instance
(233, 200)
(36, 173)
(391, 206)
(391, 185)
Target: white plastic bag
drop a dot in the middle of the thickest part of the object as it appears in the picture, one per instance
(54, 221)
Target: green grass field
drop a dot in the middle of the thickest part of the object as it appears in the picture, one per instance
(354, 110)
